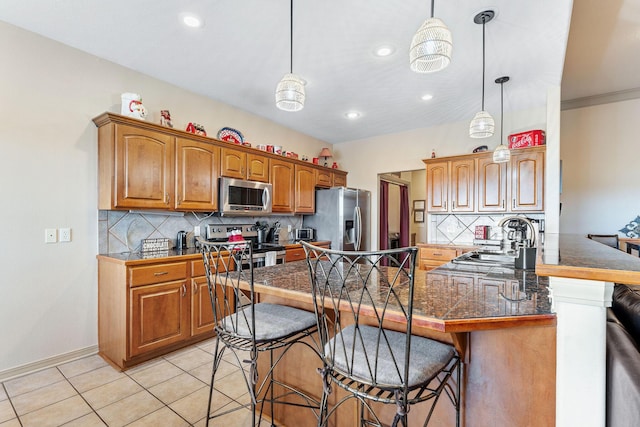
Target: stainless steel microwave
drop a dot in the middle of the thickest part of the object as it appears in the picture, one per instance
(241, 197)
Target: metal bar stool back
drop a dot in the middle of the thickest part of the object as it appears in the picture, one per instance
(246, 328)
(359, 298)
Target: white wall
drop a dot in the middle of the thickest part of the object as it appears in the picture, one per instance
(48, 175)
(600, 167)
(405, 151)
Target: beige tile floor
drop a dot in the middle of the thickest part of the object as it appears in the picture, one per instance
(168, 391)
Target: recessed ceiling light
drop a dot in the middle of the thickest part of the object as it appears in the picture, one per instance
(384, 51)
(191, 21)
(352, 115)
(426, 97)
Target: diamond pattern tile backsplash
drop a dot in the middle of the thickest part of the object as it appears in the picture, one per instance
(123, 231)
(460, 229)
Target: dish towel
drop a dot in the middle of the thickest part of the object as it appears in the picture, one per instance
(270, 258)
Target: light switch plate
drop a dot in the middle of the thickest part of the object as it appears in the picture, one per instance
(50, 235)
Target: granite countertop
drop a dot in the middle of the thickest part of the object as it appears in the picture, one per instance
(451, 298)
(578, 257)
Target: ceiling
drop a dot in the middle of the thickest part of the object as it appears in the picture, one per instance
(242, 51)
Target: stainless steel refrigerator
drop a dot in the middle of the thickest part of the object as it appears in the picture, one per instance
(342, 216)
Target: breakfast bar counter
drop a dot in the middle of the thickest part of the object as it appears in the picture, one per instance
(499, 319)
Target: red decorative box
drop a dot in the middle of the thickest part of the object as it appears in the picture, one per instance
(482, 232)
(526, 139)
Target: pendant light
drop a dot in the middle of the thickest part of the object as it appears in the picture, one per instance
(501, 153)
(482, 125)
(290, 94)
(431, 46)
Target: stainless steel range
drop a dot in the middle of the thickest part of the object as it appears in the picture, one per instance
(264, 254)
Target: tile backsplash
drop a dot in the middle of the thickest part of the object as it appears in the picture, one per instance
(460, 229)
(123, 231)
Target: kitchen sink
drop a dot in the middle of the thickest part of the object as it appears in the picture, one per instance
(487, 257)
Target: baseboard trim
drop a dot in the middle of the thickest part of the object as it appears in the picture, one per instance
(47, 363)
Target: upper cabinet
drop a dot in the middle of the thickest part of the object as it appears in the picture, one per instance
(144, 165)
(474, 183)
(527, 180)
(243, 165)
(196, 175)
(136, 168)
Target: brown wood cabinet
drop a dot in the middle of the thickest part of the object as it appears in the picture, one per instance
(474, 183)
(339, 178)
(135, 168)
(150, 307)
(324, 178)
(305, 179)
(492, 185)
(296, 252)
(144, 165)
(196, 175)
(282, 179)
(432, 256)
(239, 164)
(527, 180)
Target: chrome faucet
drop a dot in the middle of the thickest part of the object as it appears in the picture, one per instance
(525, 221)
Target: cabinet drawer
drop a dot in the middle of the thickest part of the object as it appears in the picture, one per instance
(443, 254)
(157, 273)
(295, 254)
(197, 268)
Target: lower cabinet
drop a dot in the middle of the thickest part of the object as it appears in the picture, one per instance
(432, 256)
(147, 308)
(296, 252)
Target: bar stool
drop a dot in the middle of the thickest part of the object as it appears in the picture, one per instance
(243, 326)
(357, 297)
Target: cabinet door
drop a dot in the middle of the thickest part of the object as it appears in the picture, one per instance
(437, 186)
(233, 163)
(143, 169)
(462, 184)
(527, 181)
(201, 311)
(305, 189)
(159, 316)
(196, 175)
(339, 179)
(282, 179)
(492, 185)
(324, 178)
(257, 168)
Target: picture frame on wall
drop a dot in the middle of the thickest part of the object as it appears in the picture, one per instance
(418, 205)
(418, 216)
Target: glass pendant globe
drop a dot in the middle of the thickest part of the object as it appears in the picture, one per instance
(290, 93)
(431, 47)
(482, 125)
(501, 154)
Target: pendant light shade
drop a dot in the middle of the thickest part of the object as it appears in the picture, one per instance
(501, 153)
(290, 94)
(482, 125)
(431, 46)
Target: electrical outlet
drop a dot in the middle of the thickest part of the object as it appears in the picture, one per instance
(196, 230)
(50, 235)
(65, 234)
(289, 228)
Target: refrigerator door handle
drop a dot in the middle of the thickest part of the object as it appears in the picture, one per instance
(358, 228)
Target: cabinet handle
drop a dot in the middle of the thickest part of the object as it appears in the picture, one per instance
(184, 290)
(513, 204)
(167, 198)
(436, 254)
(502, 203)
(445, 205)
(160, 273)
(453, 204)
(195, 288)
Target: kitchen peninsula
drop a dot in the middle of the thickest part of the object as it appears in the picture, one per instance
(499, 319)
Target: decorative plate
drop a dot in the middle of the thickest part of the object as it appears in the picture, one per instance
(230, 135)
(632, 229)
